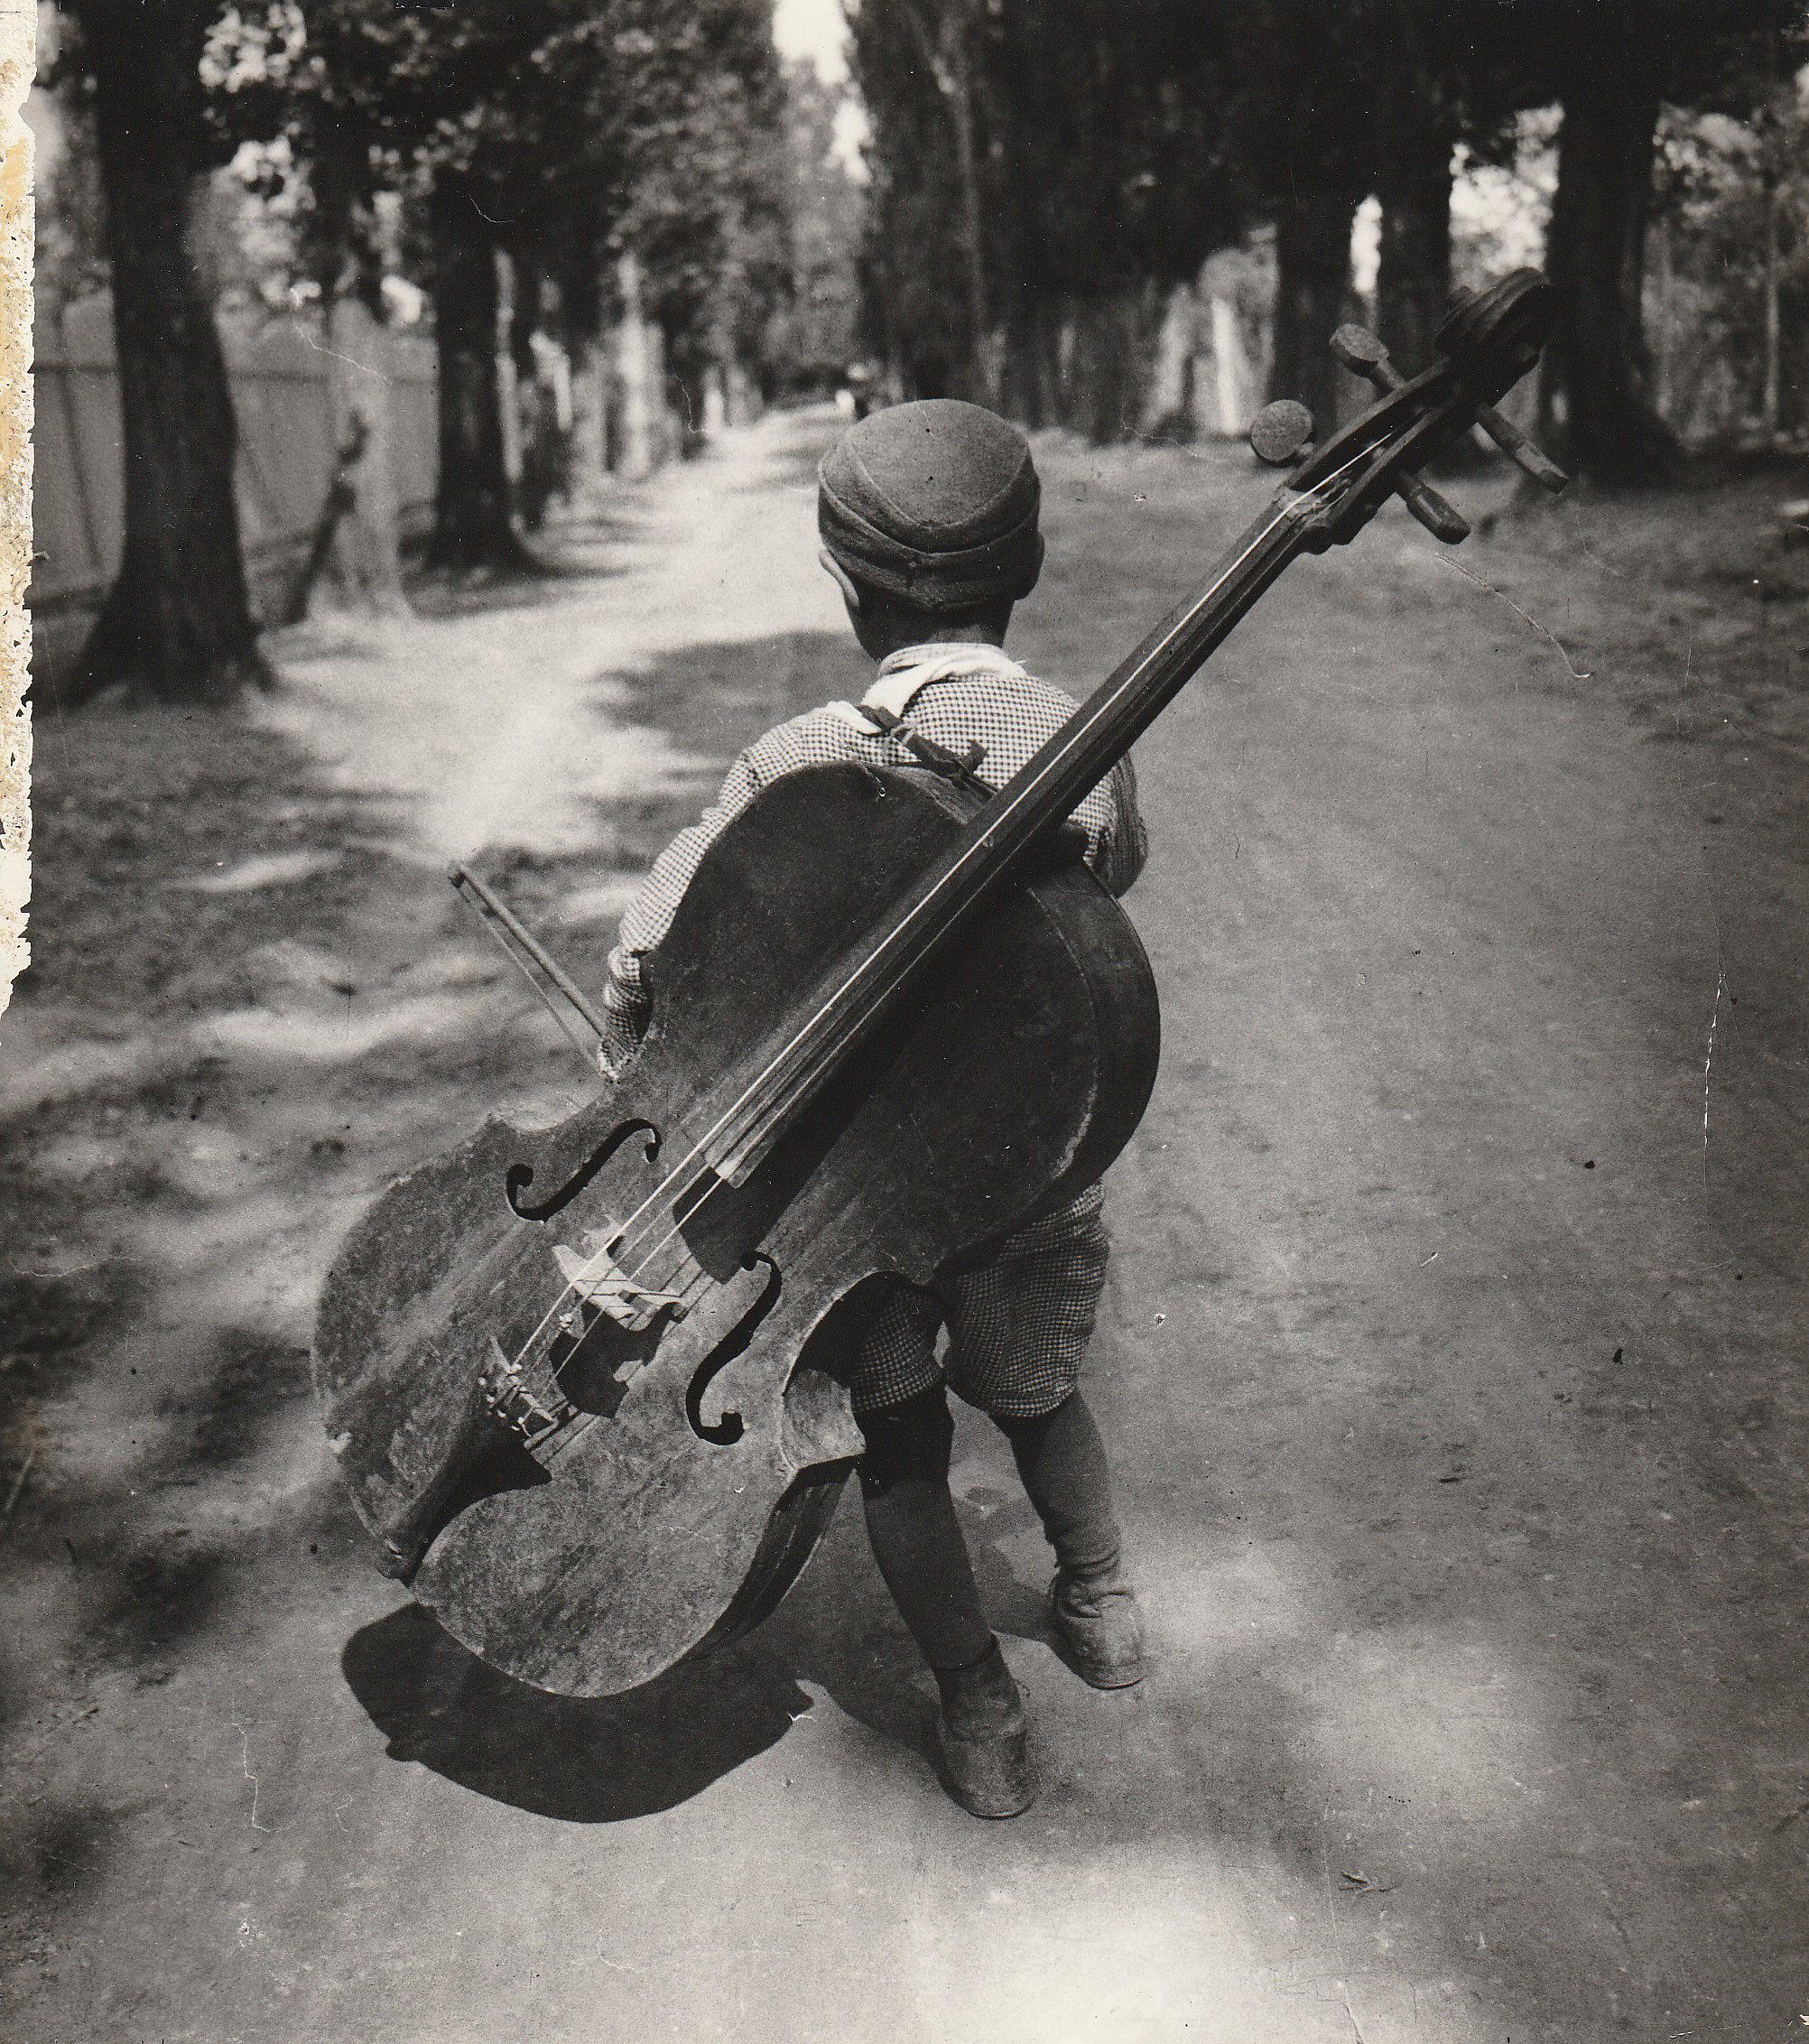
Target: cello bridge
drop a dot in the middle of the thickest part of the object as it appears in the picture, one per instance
(597, 1281)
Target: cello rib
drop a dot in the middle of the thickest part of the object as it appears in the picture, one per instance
(1009, 1077)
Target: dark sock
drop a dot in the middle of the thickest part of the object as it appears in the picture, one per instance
(1062, 1463)
(921, 1554)
(980, 1699)
(916, 1538)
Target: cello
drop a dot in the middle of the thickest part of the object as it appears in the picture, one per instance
(584, 1381)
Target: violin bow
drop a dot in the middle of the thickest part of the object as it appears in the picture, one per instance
(526, 954)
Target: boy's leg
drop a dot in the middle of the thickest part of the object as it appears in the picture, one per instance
(1020, 1325)
(1062, 1462)
(917, 1542)
(916, 1538)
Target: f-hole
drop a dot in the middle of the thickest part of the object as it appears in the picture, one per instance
(730, 1429)
(518, 1177)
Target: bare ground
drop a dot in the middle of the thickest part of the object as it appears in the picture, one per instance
(1453, 1361)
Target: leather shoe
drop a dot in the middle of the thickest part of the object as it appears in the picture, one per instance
(1099, 1630)
(983, 1736)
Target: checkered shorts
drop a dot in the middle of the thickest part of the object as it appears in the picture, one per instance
(1018, 1325)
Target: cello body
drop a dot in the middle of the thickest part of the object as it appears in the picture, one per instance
(586, 1383)
(697, 1458)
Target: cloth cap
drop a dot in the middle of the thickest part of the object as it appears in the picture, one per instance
(935, 502)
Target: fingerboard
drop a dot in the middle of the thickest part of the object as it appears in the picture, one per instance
(770, 1087)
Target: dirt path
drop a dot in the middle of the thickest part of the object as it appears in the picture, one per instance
(1454, 1368)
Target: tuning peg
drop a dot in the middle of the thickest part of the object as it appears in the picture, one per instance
(1364, 355)
(1438, 515)
(1280, 432)
(1520, 450)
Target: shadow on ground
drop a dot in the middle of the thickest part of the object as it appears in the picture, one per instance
(598, 1761)
(583, 1760)
(1517, 1652)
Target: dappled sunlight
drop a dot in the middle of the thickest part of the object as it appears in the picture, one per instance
(331, 1037)
(277, 870)
(504, 729)
(1147, 1939)
(39, 1073)
(1441, 1614)
(1446, 1716)
(606, 902)
(1460, 1724)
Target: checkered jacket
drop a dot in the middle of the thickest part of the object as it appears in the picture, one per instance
(951, 694)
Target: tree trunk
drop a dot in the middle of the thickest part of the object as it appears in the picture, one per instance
(1312, 291)
(949, 59)
(1170, 405)
(589, 418)
(537, 422)
(1235, 377)
(689, 367)
(955, 77)
(1596, 411)
(1028, 378)
(367, 548)
(177, 620)
(636, 391)
(1412, 277)
(473, 526)
(1665, 298)
(1114, 347)
(1770, 407)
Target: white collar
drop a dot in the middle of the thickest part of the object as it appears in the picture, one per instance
(905, 674)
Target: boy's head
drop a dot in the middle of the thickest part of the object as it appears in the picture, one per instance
(928, 516)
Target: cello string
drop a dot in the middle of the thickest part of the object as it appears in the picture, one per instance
(1290, 513)
(643, 1252)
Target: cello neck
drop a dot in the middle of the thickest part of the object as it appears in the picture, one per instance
(765, 1093)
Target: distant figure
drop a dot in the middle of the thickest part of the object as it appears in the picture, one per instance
(929, 518)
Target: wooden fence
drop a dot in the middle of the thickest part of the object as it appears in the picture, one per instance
(284, 400)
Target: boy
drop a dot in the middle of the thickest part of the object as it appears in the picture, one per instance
(928, 515)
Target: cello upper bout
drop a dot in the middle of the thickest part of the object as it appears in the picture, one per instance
(1020, 1060)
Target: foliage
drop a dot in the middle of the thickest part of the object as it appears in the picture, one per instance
(580, 126)
(1098, 165)
(813, 334)
(1728, 299)
(1119, 145)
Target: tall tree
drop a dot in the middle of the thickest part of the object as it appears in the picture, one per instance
(541, 141)
(814, 334)
(1420, 113)
(1596, 403)
(947, 38)
(1095, 163)
(1613, 63)
(177, 619)
(1305, 125)
(474, 512)
(925, 329)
